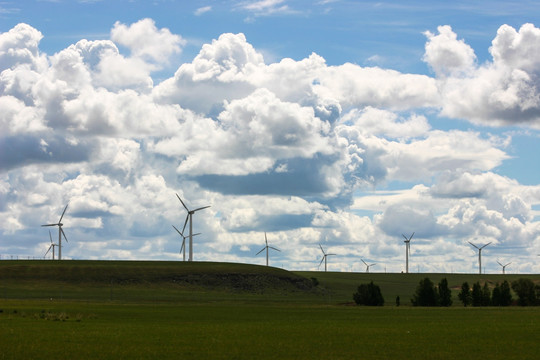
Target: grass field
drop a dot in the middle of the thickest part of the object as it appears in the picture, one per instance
(152, 313)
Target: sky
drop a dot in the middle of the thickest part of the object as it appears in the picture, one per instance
(341, 124)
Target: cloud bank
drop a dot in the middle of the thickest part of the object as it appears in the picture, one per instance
(286, 147)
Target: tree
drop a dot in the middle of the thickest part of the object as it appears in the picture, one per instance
(486, 295)
(525, 290)
(496, 299)
(476, 294)
(368, 294)
(465, 294)
(426, 294)
(445, 294)
(506, 294)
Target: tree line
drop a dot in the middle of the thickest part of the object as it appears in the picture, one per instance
(429, 294)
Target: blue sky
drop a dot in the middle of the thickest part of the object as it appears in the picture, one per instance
(344, 123)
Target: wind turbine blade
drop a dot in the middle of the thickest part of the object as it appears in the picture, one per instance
(183, 244)
(486, 245)
(330, 254)
(196, 234)
(411, 236)
(472, 244)
(185, 207)
(178, 231)
(405, 237)
(322, 249)
(50, 225)
(204, 207)
(264, 248)
(63, 212)
(50, 236)
(48, 251)
(273, 248)
(499, 263)
(185, 223)
(364, 261)
(373, 264)
(324, 257)
(63, 233)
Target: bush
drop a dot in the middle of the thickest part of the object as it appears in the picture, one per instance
(368, 294)
(526, 292)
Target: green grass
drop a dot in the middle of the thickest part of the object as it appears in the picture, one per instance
(171, 310)
(229, 330)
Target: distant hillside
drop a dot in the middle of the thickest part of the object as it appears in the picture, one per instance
(341, 285)
(176, 281)
(209, 275)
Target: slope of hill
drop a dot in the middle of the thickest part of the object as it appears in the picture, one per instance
(145, 279)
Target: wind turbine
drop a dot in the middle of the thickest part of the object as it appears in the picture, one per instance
(60, 233)
(503, 266)
(325, 255)
(183, 248)
(190, 218)
(407, 251)
(367, 266)
(479, 255)
(266, 248)
(51, 246)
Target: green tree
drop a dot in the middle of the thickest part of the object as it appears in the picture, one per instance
(506, 294)
(525, 290)
(476, 294)
(486, 295)
(465, 294)
(496, 299)
(445, 294)
(368, 294)
(426, 294)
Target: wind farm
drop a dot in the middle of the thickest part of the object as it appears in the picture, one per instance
(189, 234)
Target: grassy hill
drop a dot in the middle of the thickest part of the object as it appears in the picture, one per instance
(206, 281)
(146, 280)
(341, 286)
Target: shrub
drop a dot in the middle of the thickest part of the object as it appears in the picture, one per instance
(526, 292)
(368, 294)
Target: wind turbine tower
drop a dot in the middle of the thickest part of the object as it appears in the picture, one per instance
(183, 247)
(325, 255)
(190, 218)
(367, 266)
(60, 233)
(503, 266)
(266, 248)
(479, 255)
(407, 251)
